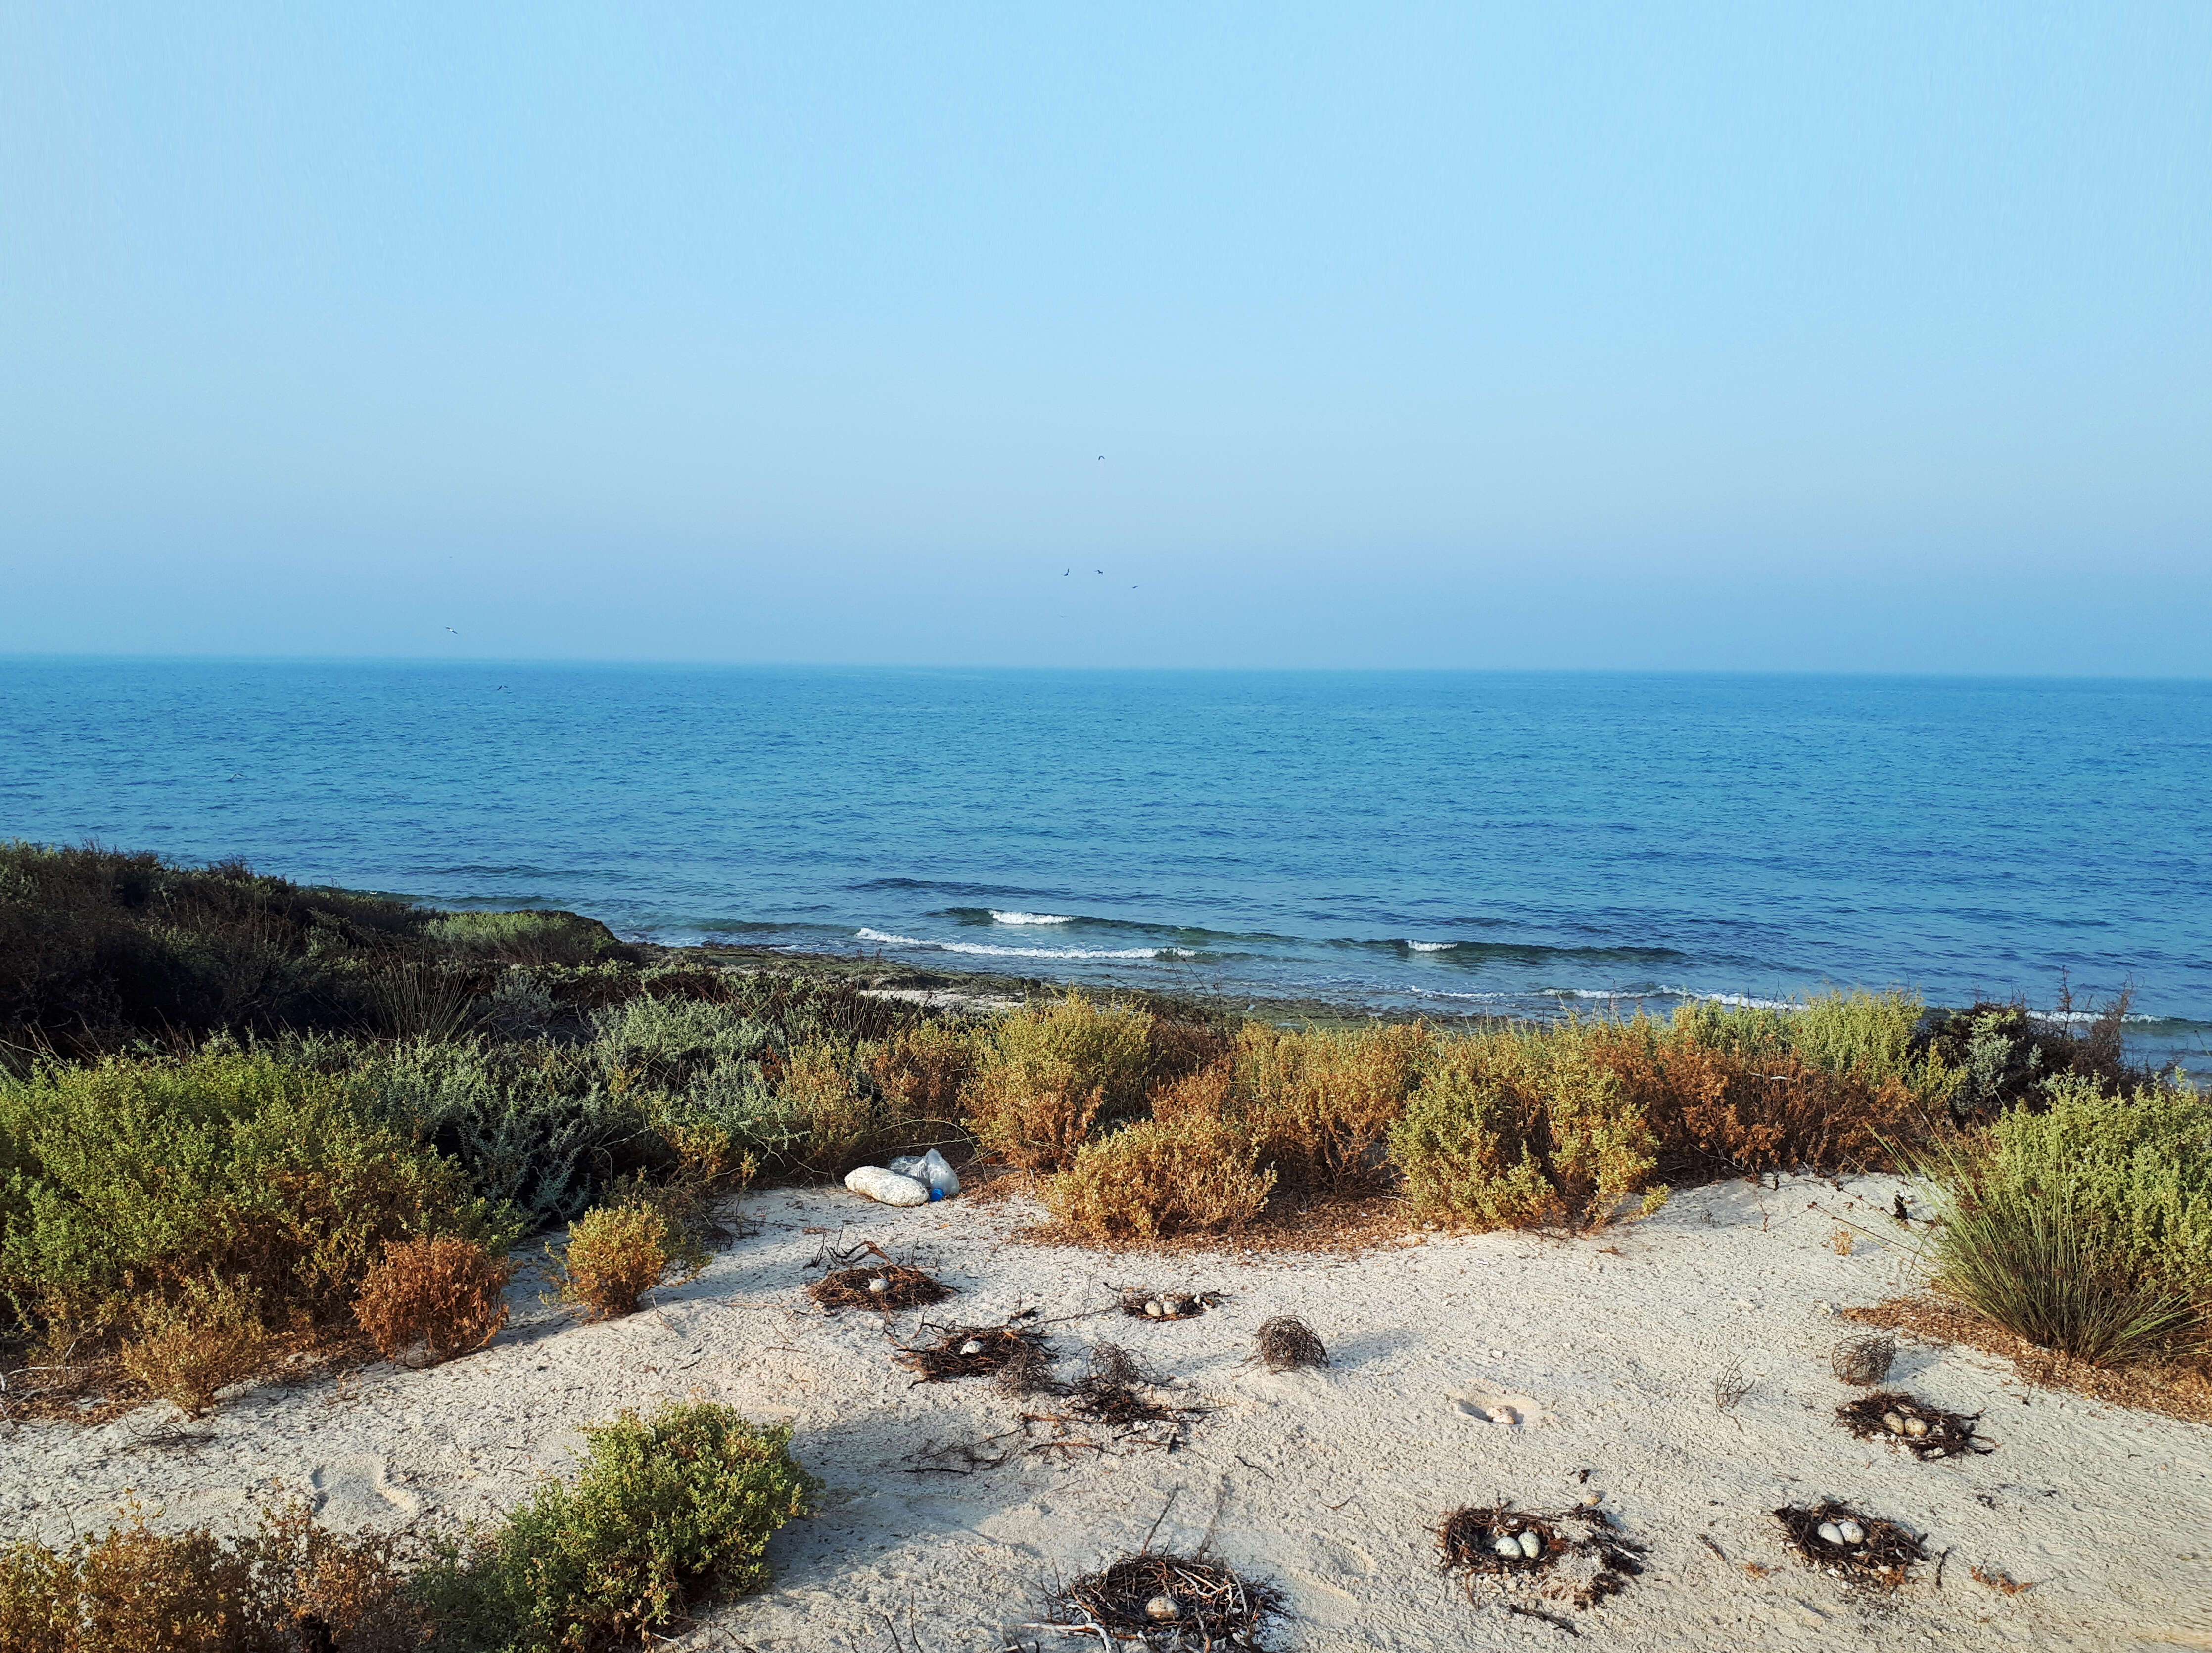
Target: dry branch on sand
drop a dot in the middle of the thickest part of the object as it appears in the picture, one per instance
(1165, 1602)
(1930, 1430)
(1863, 1548)
(1287, 1343)
(1862, 1361)
(1505, 1545)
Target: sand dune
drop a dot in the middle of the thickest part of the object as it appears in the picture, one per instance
(1603, 1351)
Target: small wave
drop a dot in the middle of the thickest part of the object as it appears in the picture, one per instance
(882, 940)
(999, 918)
(1529, 953)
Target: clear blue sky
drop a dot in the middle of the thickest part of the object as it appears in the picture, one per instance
(1843, 337)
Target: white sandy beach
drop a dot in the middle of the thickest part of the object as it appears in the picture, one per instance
(1327, 1482)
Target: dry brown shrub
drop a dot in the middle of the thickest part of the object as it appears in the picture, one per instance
(921, 1069)
(1180, 1047)
(1318, 1103)
(293, 1585)
(207, 1338)
(617, 1253)
(1160, 1178)
(305, 1577)
(447, 1293)
(1713, 1109)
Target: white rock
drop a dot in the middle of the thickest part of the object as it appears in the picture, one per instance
(1532, 1545)
(1506, 1544)
(1830, 1533)
(887, 1186)
(1853, 1532)
(973, 1346)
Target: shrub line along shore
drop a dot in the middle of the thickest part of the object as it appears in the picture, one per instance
(252, 1131)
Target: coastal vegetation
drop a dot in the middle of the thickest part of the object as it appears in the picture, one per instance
(247, 1128)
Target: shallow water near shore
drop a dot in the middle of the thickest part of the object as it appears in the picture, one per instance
(1464, 842)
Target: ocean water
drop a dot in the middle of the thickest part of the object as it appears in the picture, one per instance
(1465, 842)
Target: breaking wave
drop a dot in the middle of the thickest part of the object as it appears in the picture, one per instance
(979, 947)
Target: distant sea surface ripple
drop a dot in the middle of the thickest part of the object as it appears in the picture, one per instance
(1466, 842)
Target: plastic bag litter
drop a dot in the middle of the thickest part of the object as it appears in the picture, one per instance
(932, 1168)
(889, 1187)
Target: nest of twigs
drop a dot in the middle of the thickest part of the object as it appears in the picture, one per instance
(1113, 1392)
(1579, 1556)
(1883, 1554)
(1169, 1602)
(1928, 1431)
(891, 1286)
(973, 1352)
(1143, 1304)
(1287, 1343)
(1862, 1361)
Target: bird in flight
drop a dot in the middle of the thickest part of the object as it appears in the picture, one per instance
(451, 629)
(1101, 570)
(1102, 456)
(1064, 573)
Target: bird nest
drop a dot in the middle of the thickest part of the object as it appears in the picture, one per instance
(1286, 1344)
(1928, 1431)
(973, 1352)
(889, 1287)
(1882, 1553)
(1862, 1361)
(1143, 1303)
(1116, 1392)
(1167, 1603)
(1576, 1556)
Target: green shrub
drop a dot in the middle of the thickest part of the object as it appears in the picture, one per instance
(2087, 1227)
(534, 1124)
(2136, 1172)
(1319, 1102)
(665, 1040)
(665, 1510)
(617, 1253)
(548, 937)
(129, 1181)
(1047, 1073)
(1160, 1178)
(1512, 1130)
(1468, 1146)
(98, 947)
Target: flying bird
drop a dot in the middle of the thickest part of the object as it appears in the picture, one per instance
(1101, 570)
(1102, 456)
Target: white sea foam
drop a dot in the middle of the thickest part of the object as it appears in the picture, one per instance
(999, 918)
(878, 937)
(1433, 947)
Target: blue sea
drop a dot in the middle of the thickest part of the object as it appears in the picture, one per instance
(1455, 842)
